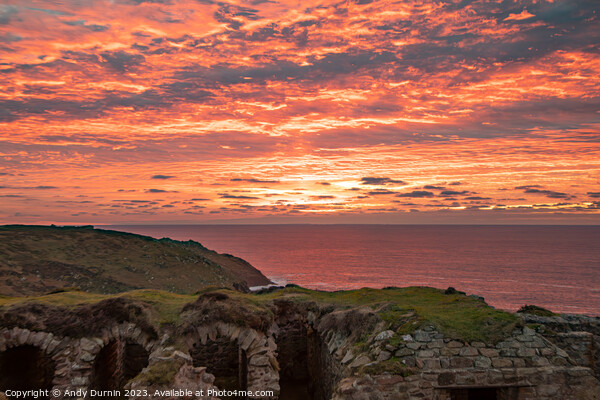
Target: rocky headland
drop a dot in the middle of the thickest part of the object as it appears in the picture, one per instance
(39, 259)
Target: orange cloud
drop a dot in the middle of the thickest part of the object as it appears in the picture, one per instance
(284, 108)
(520, 16)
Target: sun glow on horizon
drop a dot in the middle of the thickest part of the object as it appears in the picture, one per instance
(142, 111)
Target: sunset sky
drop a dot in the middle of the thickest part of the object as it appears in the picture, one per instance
(279, 111)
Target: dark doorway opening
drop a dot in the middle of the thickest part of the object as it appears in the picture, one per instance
(226, 361)
(293, 353)
(116, 364)
(474, 394)
(26, 368)
(306, 372)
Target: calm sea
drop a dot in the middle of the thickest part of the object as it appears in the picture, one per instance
(557, 267)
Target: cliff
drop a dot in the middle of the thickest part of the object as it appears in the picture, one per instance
(39, 259)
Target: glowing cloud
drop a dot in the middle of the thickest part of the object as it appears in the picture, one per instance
(284, 108)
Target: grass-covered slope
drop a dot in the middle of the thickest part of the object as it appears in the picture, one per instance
(407, 309)
(38, 259)
(401, 309)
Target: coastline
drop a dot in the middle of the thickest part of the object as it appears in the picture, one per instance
(551, 266)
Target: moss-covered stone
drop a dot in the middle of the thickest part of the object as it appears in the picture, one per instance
(161, 373)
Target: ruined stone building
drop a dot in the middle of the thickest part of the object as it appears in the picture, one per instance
(293, 349)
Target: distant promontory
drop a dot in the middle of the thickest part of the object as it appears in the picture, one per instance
(35, 260)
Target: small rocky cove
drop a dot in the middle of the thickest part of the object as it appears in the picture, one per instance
(290, 345)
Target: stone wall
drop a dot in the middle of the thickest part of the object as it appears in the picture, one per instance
(524, 366)
(578, 335)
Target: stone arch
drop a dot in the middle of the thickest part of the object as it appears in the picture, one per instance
(72, 359)
(239, 358)
(28, 359)
(119, 355)
(26, 367)
(116, 363)
(225, 360)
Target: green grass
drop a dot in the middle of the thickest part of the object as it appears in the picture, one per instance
(403, 309)
(407, 309)
(69, 298)
(166, 306)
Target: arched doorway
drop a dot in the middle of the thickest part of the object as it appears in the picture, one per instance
(116, 364)
(225, 360)
(26, 367)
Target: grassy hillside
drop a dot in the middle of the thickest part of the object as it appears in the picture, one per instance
(38, 259)
(401, 309)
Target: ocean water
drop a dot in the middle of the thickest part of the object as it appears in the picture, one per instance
(557, 267)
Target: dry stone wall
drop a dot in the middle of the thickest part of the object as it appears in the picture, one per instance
(578, 335)
(524, 366)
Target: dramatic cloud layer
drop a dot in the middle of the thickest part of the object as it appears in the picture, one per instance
(197, 110)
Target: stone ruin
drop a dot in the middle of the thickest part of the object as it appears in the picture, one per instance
(578, 335)
(523, 366)
(307, 352)
(32, 360)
